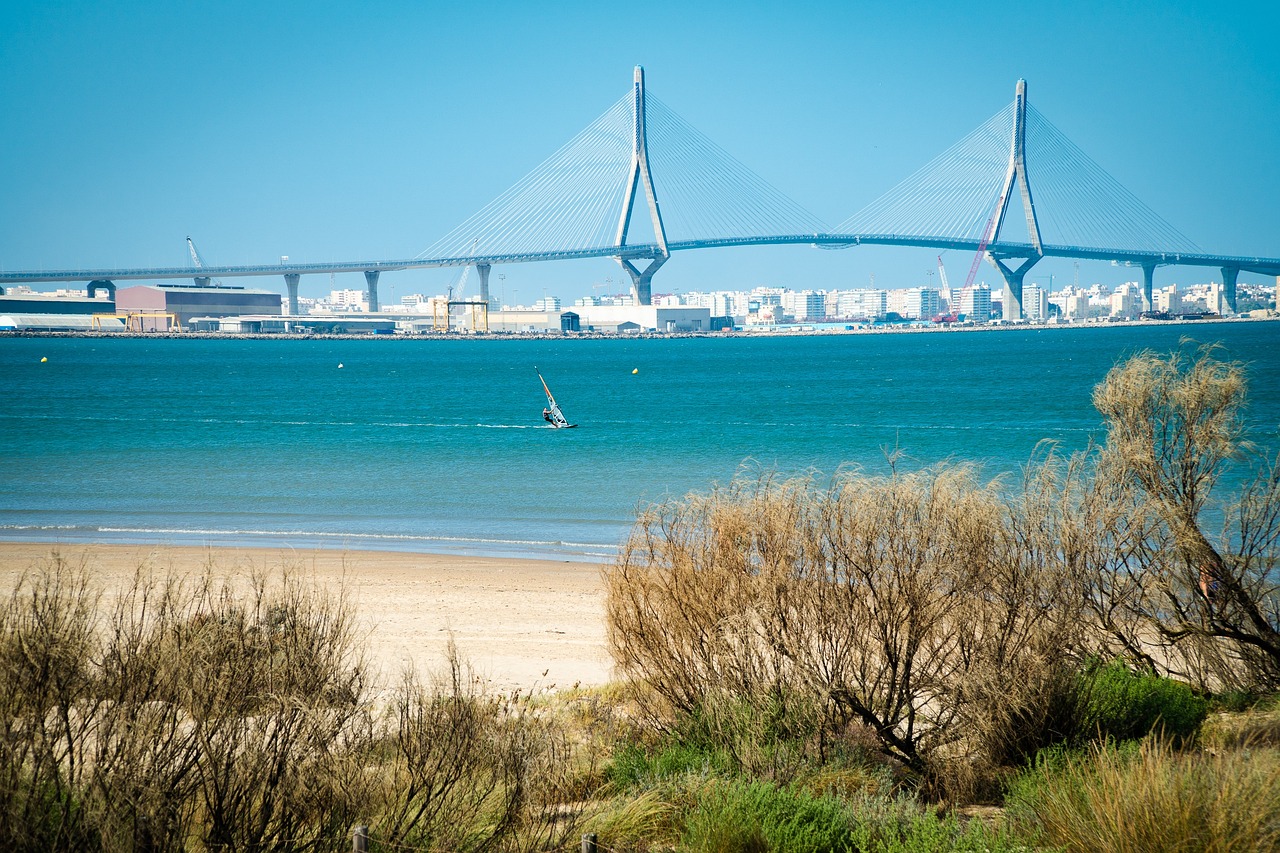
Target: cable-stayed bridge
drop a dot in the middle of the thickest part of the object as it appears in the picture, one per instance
(640, 183)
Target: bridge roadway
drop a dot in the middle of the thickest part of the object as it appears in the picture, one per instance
(1240, 263)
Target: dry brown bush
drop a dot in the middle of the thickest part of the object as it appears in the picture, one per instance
(467, 770)
(1194, 605)
(236, 715)
(47, 706)
(923, 606)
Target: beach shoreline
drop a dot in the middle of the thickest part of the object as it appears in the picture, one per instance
(522, 624)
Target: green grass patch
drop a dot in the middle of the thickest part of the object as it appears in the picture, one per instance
(741, 815)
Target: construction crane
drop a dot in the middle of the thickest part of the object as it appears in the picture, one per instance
(982, 246)
(201, 280)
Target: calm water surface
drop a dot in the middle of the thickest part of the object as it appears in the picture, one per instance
(428, 445)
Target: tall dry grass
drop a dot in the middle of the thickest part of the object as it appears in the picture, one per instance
(1152, 798)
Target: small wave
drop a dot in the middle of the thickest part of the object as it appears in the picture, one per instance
(325, 534)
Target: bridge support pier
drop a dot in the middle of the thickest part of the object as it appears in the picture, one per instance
(483, 269)
(1229, 276)
(291, 282)
(110, 288)
(1148, 287)
(1013, 285)
(642, 280)
(371, 278)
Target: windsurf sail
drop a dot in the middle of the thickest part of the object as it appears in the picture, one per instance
(552, 414)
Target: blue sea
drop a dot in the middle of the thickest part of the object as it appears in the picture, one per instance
(439, 445)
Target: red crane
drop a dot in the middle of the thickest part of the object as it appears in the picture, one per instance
(982, 246)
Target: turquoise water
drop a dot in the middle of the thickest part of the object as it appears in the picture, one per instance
(430, 445)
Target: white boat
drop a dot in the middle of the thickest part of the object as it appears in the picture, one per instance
(551, 413)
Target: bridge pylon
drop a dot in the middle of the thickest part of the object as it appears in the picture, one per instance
(641, 175)
(1017, 170)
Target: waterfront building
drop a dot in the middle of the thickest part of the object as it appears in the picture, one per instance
(1217, 300)
(348, 300)
(916, 303)
(1126, 301)
(806, 305)
(188, 301)
(21, 309)
(862, 304)
(975, 303)
(1035, 303)
(1166, 299)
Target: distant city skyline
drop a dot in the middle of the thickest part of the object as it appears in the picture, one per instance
(333, 134)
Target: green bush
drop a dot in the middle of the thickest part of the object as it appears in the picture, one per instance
(1116, 702)
(632, 766)
(757, 816)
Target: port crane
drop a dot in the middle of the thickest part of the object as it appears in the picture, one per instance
(201, 280)
(950, 316)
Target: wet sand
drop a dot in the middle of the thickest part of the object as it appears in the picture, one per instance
(529, 624)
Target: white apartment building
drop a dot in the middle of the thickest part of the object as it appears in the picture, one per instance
(1035, 302)
(861, 304)
(348, 300)
(805, 305)
(1126, 301)
(975, 303)
(916, 303)
(1166, 299)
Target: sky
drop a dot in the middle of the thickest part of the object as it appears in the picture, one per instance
(334, 131)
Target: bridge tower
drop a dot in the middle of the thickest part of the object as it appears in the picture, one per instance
(1017, 169)
(641, 280)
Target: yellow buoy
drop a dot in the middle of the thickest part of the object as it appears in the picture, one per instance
(43, 359)
(635, 370)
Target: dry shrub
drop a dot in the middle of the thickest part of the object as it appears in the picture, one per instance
(47, 706)
(1185, 602)
(236, 715)
(909, 604)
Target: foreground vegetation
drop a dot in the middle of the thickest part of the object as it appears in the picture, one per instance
(923, 661)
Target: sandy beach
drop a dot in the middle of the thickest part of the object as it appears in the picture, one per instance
(529, 624)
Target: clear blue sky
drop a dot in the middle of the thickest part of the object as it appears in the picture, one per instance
(342, 131)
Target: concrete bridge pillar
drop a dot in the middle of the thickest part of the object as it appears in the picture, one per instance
(371, 278)
(483, 269)
(1148, 286)
(1229, 276)
(642, 281)
(1013, 285)
(110, 288)
(291, 282)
